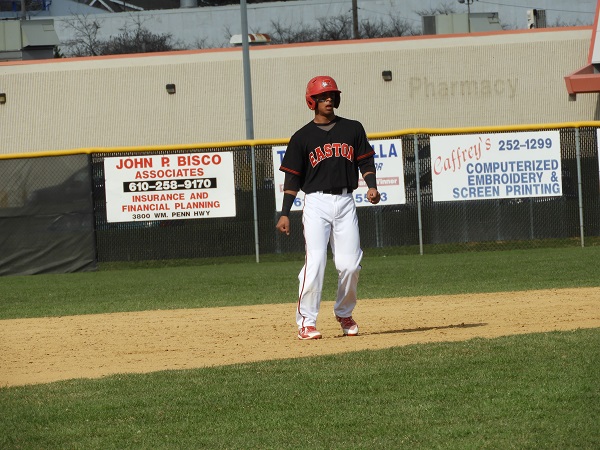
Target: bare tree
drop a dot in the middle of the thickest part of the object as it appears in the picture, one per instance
(394, 27)
(401, 27)
(329, 29)
(564, 23)
(340, 28)
(444, 8)
(368, 29)
(281, 34)
(85, 40)
(201, 43)
(133, 38)
(335, 28)
(227, 32)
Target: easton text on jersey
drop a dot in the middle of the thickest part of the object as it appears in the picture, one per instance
(330, 151)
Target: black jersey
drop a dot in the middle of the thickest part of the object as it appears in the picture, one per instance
(331, 159)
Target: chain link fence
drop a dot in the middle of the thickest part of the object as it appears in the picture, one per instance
(71, 215)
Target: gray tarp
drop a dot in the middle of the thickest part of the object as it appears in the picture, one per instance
(46, 216)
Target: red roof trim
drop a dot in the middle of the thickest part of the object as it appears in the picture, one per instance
(585, 80)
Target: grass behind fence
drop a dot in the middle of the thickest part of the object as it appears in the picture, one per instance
(522, 392)
(121, 287)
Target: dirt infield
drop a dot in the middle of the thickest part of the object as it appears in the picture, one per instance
(50, 349)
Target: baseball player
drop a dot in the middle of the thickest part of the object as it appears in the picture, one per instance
(323, 159)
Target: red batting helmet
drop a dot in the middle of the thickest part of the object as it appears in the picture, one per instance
(317, 86)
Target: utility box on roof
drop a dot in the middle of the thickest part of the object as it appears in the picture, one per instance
(27, 39)
(536, 18)
(10, 35)
(39, 33)
(461, 23)
(253, 39)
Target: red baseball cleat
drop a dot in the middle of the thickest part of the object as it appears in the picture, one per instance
(349, 326)
(308, 333)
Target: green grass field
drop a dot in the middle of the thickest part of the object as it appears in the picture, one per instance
(118, 287)
(529, 391)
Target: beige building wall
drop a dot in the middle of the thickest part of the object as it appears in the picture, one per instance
(450, 81)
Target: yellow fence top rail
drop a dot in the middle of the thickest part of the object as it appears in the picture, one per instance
(283, 141)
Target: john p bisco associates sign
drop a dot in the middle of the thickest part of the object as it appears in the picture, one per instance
(167, 187)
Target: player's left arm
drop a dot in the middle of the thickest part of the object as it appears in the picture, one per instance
(366, 164)
(373, 194)
(369, 174)
(367, 168)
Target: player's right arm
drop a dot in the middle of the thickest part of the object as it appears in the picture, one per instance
(283, 224)
(291, 186)
(293, 166)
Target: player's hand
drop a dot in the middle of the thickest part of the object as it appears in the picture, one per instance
(373, 196)
(284, 225)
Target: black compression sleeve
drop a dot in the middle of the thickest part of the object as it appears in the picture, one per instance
(288, 201)
(371, 180)
(291, 182)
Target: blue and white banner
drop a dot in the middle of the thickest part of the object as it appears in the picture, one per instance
(503, 165)
(390, 176)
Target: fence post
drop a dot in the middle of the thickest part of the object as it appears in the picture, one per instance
(254, 204)
(418, 175)
(579, 185)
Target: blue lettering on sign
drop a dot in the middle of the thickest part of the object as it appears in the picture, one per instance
(513, 166)
(280, 153)
(384, 151)
(476, 192)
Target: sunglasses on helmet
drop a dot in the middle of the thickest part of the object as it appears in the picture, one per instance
(320, 98)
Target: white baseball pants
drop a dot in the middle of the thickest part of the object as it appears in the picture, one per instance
(327, 219)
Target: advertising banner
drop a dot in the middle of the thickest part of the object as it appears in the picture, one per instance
(168, 187)
(390, 176)
(503, 165)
